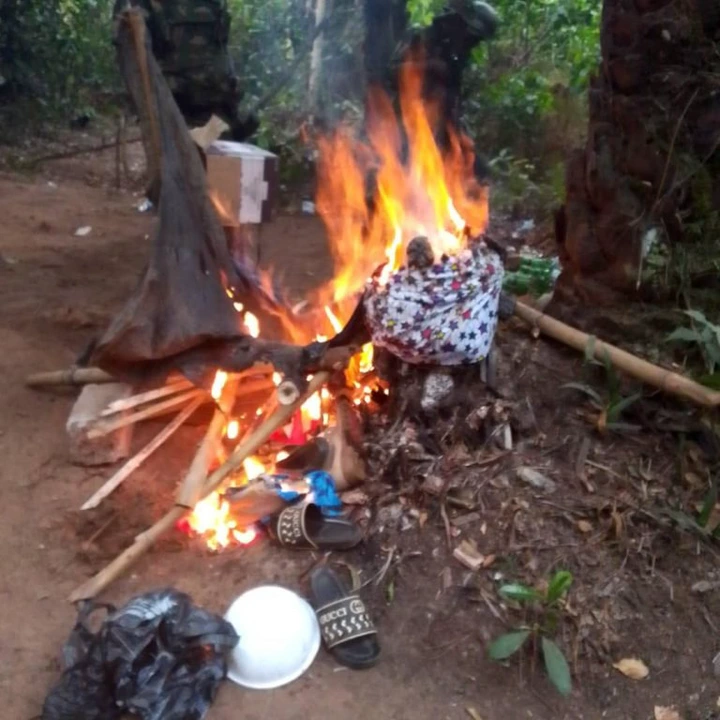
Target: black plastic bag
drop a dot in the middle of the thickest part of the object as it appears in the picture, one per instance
(158, 657)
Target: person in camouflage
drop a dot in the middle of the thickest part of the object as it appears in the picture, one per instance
(190, 42)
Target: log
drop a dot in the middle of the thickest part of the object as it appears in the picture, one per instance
(146, 540)
(640, 369)
(70, 376)
(134, 463)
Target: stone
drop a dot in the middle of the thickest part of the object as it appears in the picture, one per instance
(436, 388)
(91, 402)
(536, 479)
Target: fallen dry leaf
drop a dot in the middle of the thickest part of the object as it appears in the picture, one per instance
(473, 713)
(584, 526)
(666, 713)
(633, 668)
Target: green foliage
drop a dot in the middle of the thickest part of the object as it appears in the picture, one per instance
(507, 645)
(544, 607)
(556, 665)
(701, 523)
(527, 91)
(521, 187)
(610, 403)
(703, 335)
(422, 12)
(57, 52)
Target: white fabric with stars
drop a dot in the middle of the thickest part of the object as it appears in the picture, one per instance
(445, 314)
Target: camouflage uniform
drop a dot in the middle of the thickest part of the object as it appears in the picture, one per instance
(190, 43)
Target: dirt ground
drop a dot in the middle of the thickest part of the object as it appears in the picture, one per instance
(633, 592)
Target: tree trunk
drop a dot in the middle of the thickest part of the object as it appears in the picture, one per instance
(651, 166)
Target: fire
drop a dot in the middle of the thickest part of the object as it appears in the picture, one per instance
(433, 193)
(419, 189)
(211, 518)
(218, 384)
(252, 324)
(233, 430)
(253, 467)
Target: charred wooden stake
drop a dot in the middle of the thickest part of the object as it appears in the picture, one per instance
(146, 540)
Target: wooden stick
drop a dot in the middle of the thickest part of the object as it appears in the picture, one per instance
(70, 376)
(108, 426)
(189, 492)
(642, 370)
(146, 540)
(145, 397)
(134, 463)
(137, 25)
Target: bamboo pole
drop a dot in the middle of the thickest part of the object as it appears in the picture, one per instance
(134, 463)
(108, 426)
(145, 397)
(191, 487)
(69, 376)
(146, 540)
(658, 377)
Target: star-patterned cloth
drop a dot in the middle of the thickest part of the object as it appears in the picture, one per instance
(445, 314)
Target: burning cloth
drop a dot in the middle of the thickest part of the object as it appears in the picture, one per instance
(442, 314)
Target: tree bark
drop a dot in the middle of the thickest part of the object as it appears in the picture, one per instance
(654, 129)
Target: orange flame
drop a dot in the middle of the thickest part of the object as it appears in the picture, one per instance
(431, 193)
(211, 518)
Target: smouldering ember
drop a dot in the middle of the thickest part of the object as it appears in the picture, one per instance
(430, 193)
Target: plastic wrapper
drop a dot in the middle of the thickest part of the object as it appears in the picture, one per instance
(158, 658)
(444, 314)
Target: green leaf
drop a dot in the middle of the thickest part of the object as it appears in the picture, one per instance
(507, 645)
(559, 585)
(519, 592)
(708, 505)
(616, 410)
(682, 334)
(556, 666)
(585, 389)
(697, 316)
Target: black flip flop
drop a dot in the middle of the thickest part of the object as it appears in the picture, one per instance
(305, 527)
(345, 625)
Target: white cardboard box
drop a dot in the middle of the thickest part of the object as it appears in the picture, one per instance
(243, 179)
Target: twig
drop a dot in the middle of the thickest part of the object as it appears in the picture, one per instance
(101, 530)
(131, 465)
(146, 540)
(672, 148)
(383, 570)
(446, 522)
(106, 427)
(81, 151)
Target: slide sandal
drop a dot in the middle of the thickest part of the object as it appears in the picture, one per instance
(303, 526)
(345, 625)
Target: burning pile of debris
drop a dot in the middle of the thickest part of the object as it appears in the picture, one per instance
(416, 290)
